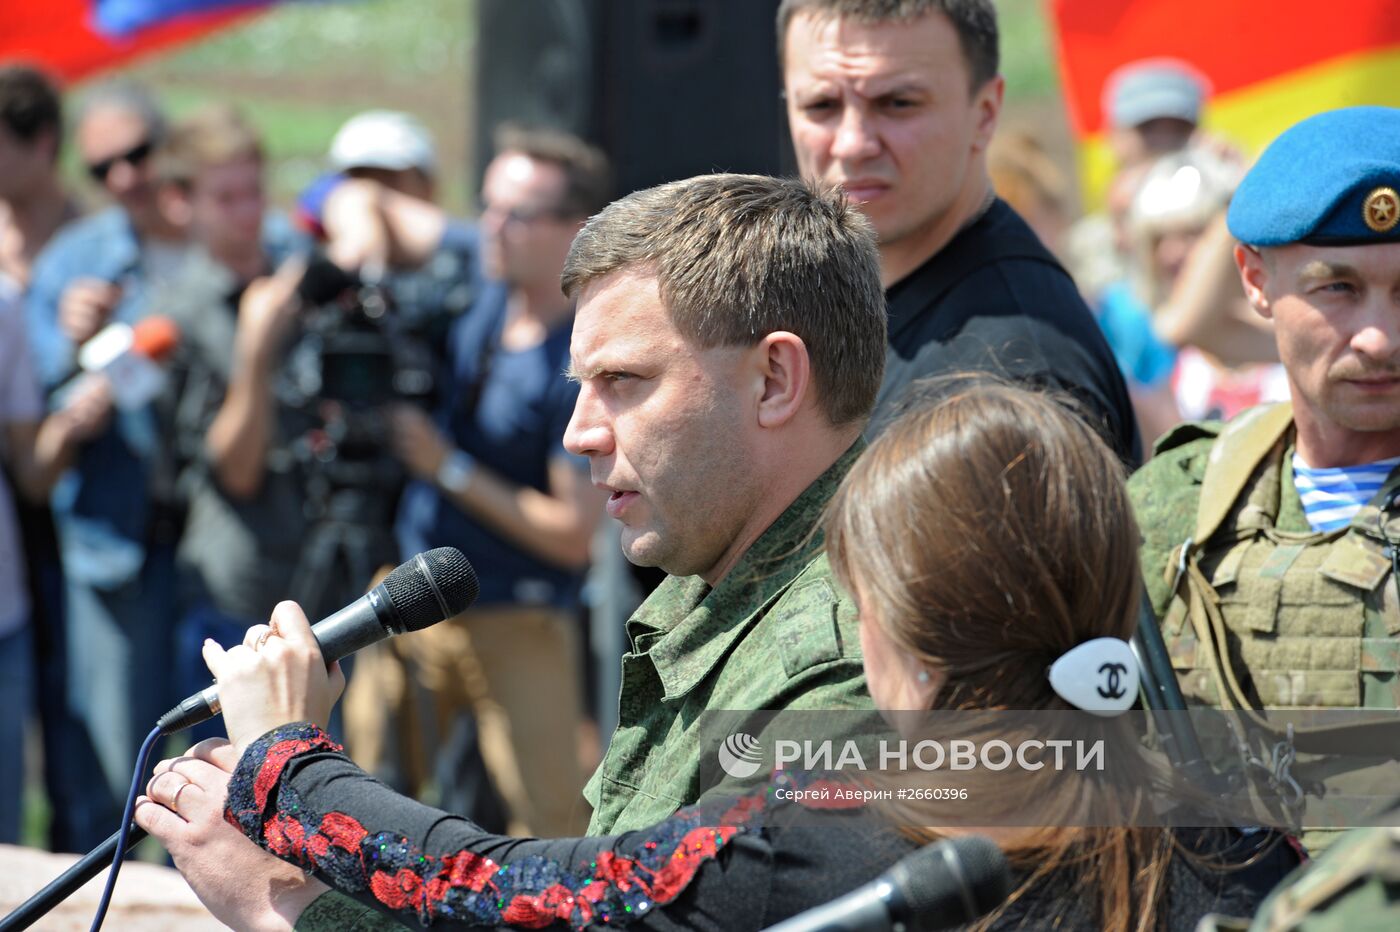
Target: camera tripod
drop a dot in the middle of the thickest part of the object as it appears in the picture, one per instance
(349, 541)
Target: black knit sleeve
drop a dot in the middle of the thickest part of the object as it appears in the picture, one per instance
(295, 794)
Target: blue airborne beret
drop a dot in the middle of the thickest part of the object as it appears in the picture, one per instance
(1331, 180)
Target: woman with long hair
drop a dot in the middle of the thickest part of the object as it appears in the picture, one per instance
(985, 536)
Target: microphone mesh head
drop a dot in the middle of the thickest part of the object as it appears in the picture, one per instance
(416, 596)
(926, 877)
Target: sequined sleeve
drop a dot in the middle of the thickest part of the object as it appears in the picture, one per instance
(297, 795)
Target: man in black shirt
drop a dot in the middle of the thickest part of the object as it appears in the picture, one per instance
(896, 101)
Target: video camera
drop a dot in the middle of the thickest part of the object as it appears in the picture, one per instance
(358, 352)
(355, 349)
(356, 355)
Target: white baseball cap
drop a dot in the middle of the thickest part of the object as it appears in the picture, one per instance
(1154, 88)
(387, 139)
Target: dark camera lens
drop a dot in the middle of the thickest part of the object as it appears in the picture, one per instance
(358, 369)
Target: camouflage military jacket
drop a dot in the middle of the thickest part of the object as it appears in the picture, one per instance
(776, 633)
(1311, 618)
(1355, 886)
(1166, 493)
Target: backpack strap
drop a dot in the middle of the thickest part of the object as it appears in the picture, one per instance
(1238, 450)
(1234, 456)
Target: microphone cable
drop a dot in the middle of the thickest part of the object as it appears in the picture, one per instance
(419, 592)
(142, 758)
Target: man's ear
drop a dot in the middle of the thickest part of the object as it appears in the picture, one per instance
(1254, 275)
(786, 372)
(987, 104)
(49, 139)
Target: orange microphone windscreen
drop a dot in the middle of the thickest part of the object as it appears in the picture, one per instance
(155, 337)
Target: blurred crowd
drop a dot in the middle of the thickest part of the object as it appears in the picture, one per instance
(210, 405)
(1155, 265)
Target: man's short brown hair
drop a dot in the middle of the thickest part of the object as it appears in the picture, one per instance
(737, 257)
(587, 174)
(974, 20)
(211, 136)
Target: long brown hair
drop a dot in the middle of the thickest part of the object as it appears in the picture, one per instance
(987, 531)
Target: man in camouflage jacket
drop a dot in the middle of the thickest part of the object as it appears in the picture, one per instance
(1270, 597)
(721, 401)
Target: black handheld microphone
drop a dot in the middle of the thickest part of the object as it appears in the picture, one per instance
(425, 590)
(940, 886)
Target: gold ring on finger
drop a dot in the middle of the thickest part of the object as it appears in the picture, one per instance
(175, 799)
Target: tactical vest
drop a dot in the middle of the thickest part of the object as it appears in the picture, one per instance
(1263, 617)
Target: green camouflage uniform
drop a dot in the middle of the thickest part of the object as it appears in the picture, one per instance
(1354, 887)
(1312, 617)
(1309, 619)
(776, 633)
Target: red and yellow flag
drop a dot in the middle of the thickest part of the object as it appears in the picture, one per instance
(1270, 63)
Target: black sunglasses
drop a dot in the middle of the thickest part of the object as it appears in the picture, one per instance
(528, 215)
(133, 157)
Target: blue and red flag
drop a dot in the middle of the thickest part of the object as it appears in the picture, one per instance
(128, 17)
(73, 39)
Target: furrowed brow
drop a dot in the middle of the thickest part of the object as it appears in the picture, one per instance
(889, 86)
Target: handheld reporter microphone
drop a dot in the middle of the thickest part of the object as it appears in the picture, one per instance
(425, 590)
(940, 886)
(129, 357)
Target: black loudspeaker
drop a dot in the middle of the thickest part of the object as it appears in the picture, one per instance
(668, 88)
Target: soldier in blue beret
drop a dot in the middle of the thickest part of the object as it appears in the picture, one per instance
(1266, 538)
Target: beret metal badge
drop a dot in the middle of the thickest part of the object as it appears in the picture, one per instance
(1381, 210)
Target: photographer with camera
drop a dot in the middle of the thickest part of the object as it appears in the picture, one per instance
(377, 211)
(228, 435)
(491, 477)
